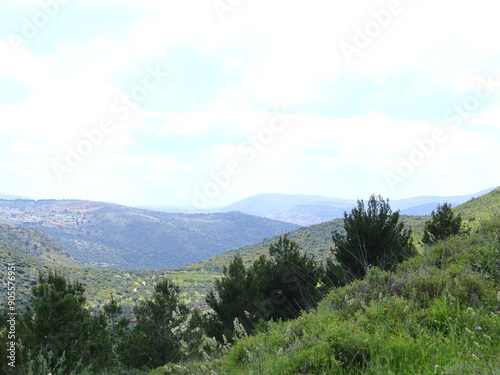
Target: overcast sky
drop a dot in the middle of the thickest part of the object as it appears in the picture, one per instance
(202, 102)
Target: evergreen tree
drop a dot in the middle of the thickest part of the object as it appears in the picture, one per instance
(117, 326)
(374, 236)
(156, 337)
(280, 286)
(237, 292)
(443, 224)
(57, 324)
(288, 280)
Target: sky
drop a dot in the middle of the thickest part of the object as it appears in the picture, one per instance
(202, 103)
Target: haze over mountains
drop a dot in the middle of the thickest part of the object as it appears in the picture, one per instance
(307, 210)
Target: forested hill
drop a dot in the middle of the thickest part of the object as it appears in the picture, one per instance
(106, 235)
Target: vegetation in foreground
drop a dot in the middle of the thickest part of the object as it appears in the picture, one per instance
(437, 313)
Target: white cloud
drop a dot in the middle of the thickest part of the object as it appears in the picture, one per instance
(272, 55)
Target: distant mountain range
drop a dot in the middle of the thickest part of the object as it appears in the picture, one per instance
(307, 210)
(106, 235)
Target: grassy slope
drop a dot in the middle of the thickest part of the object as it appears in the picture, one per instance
(439, 313)
(480, 208)
(315, 240)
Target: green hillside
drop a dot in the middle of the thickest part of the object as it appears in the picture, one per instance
(438, 313)
(483, 207)
(35, 243)
(317, 239)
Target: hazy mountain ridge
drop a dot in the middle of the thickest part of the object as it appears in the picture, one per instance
(305, 210)
(325, 210)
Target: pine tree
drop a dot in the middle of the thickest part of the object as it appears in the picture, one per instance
(156, 337)
(117, 326)
(57, 323)
(237, 291)
(443, 224)
(288, 279)
(278, 286)
(374, 236)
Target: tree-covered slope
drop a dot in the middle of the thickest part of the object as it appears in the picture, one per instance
(111, 236)
(126, 286)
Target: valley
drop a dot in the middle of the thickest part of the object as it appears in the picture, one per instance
(105, 235)
(81, 224)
